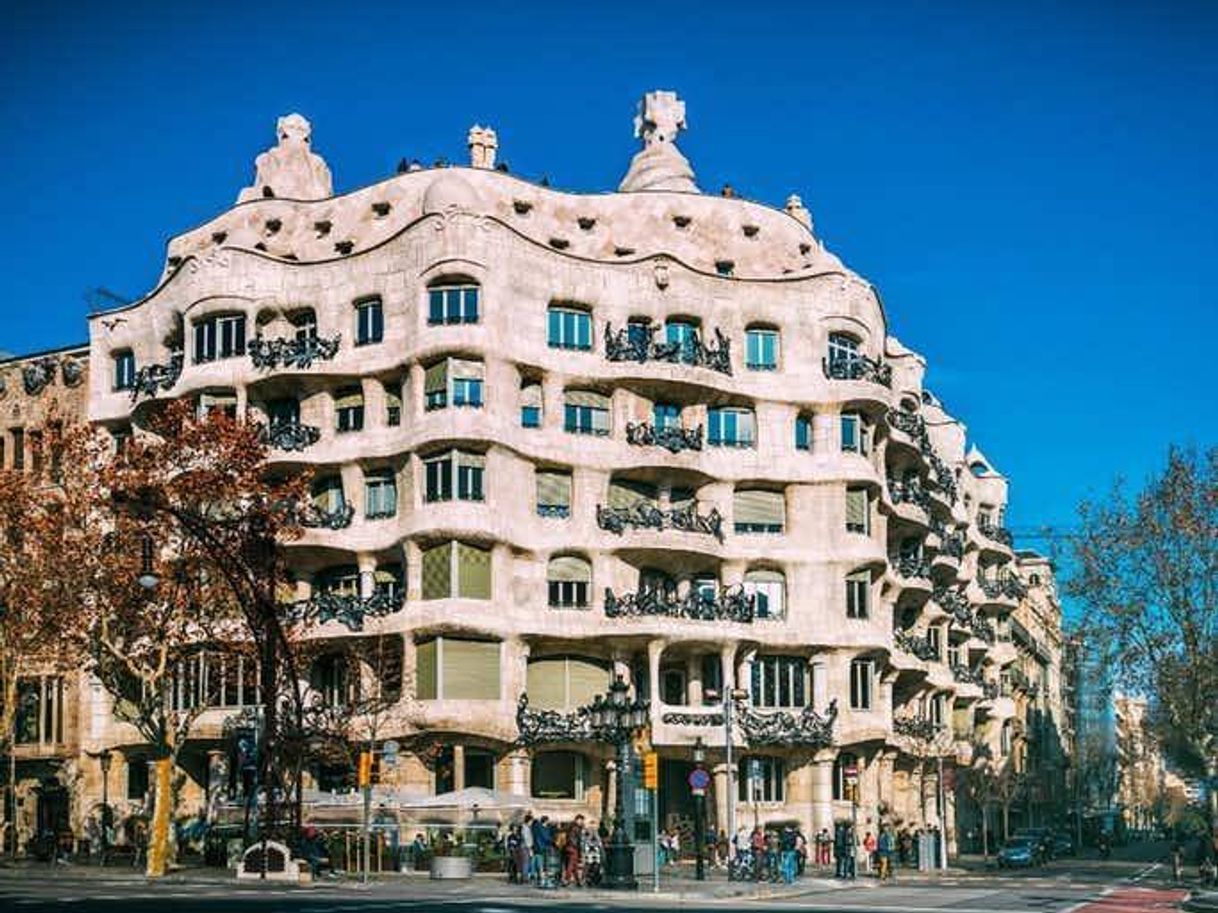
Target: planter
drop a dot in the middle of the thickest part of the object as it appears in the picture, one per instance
(448, 867)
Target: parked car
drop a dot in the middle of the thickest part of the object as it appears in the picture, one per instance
(1043, 838)
(1063, 844)
(1019, 853)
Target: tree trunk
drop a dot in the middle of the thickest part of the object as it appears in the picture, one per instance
(1006, 820)
(158, 836)
(985, 829)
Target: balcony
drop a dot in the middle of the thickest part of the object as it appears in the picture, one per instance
(942, 478)
(314, 516)
(858, 367)
(671, 438)
(538, 727)
(967, 676)
(915, 645)
(705, 717)
(995, 533)
(954, 603)
(909, 491)
(915, 727)
(348, 609)
(638, 344)
(645, 515)
(728, 604)
(152, 379)
(786, 729)
(299, 353)
(909, 566)
(290, 435)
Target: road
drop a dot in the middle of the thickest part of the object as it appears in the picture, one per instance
(1065, 887)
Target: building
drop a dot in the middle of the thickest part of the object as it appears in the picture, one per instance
(654, 434)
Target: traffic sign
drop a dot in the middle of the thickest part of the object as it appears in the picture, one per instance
(651, 770)
(698, 779)
(851, 772)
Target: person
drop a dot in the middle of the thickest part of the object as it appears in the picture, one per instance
(884, 853)
(771, 856)
(514, 846)
(904, 846)
(801, 852)
(313, 850)
(528, 870)
(1177, 861)
(721, 850)
(787, 848)
(592, 853)
(1105, 846)
(674, 845)
(869, 846)
(839, 851)
(823, 844)
(757, 847)
(543, 846)
(573, 873)
(852, 849)
(416, 851)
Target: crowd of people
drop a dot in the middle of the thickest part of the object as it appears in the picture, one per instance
(541, 853)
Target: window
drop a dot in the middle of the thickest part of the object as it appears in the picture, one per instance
(565, 682)
(934, 637)
(124, 370)
(638, 333)
(530, 405)
(121, 436)
(761, 349)
(137, 778)
(559, 775)
(953, 655)
(328, 494)
(18, 448)
(339, 581)
(479, 768)
(219, 402)
(855, 434)
(768, 589)
(627, 494)
(282, 411)
(858, 511)
(843, 351)
(349, 409)
(585, 412)
(393, 404)
(219, 336)
(756, 511)
(452, 669)
(803, 432)
(452, 304)
(569, 328)
(1004, 739)
(454, 380)
(456, 570)
(304, 323)
(729, 426)
(683, 334)
(468, 470)
(334, 680)
(666, 415)
(467, 391)
(40, 711)
(553, 493)
(937, 710)
(858, 595)
(862, 675)
(761, 779)
(672, 686)
(369, 322)
(841, 785)
(380, 494)
(780, 681)
(568, 581)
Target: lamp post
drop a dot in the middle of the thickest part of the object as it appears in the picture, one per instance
(615, 719)
(104, 757)
(697, 778)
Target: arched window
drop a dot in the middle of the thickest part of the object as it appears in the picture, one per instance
(844, 760)
(569, 582)
(768, 588)
(304, 323)
(843, 351)
(452, 300)
(565, 682)
(803, 432)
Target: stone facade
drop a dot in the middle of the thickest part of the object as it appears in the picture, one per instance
(652, 434)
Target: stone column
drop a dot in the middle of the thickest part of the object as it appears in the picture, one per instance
(374, 402)
(693, 680)
(519, 764)
(655, 649)
(722, 787)
(414, 407)
(552, 401)
(822, 794)
(458, 767)
(800, 791)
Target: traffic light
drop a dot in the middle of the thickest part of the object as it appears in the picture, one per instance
(364, 771)
(651, 770)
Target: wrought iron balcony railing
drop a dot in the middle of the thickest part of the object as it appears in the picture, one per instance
(992, 588)
(302, 352)
(915, 727)
(349, 609)
(152, 379)
(991, 691)
(673, 439)
(537, 727)
(1014, 587)
(291, 435)
(914, 425)
(909, 423)
(1019, 679)
(646, 515)
(728, 604)
(915, 645)
(857, 367)
(315, 516)
(784, 728)
(909, 491)
(942, 477)
(967, 676)
(911, 565)
(954, 603)
(685, 718)
(983, 629)
(638, 343)
(995, 533)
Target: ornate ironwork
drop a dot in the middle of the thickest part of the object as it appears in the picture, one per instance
(914, 425)
(37, 375)
(921, 647)
(967, 676)
(909, 423)
(347, 608)
(990, 690)
(954, 603)
(991, 588)
(995, 533)
(808, 728)
(1019, 679)
(316, 517)
(290, 435)
(857, 367)
(645, 515)
(983, 629)
(692, 719)
(943, 477)
(536, 727)
(912, 565)
(1014, 587)
(915, 727)
(953, 544)
(909, 491)
(728, 604)
(672, 439)
(554, 511)
(296, 352)
(150, 380)
(638, 343)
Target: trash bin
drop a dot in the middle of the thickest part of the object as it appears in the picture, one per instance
(926, 852)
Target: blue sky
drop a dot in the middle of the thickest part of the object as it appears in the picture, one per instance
(1030, 186)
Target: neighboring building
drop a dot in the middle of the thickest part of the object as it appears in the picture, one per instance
(652, 434)
(1141, 772)
(1091, 727)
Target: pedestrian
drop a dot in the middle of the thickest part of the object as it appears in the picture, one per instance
(572, 873)
(592, 853)
(823, 846)
(771, 856)
(1177, 862)
(757, 847)
(543, 847)
(852, 849)
(528, 876)
(514, 847)
(884, 853)
(787, 848)
(869, 846)
(801, 852)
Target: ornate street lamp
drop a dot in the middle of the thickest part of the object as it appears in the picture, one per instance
(104, 757)
(148, 578)
(696, 781)
(615, 719)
